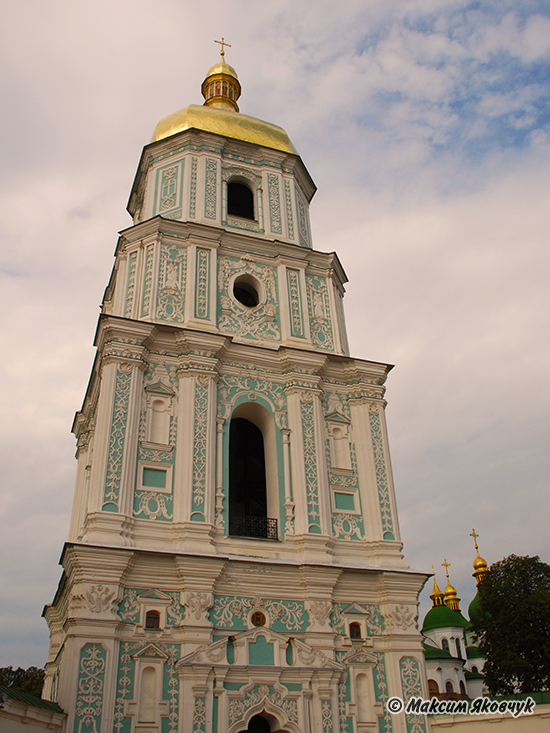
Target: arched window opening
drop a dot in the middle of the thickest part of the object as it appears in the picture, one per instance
(445, 644)
(449, 689)
(433, 688)
(462, 688)
(458, 649)
(240, 200)
(230, 650)
(152, 620)
(247, 482)
(474, 670)
(355, 630)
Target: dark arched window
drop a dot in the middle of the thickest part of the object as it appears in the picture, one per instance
(355, 630)
(152, 620)
(433, 688)
(462, 688)
(449, 689)
(458, 649)
(445, 644)
(247, 482)
(474, 670)
(240, 200)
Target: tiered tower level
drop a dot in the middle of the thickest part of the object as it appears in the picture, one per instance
(234, 558)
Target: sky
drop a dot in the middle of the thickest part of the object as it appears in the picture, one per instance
(426, 127)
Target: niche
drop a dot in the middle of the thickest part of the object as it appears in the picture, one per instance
(338, 429)
(159, 411)
(147, 696)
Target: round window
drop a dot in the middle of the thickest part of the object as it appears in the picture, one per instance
(258, 618)
(245, 290)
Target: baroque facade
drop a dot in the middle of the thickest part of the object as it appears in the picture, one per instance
(234, 559)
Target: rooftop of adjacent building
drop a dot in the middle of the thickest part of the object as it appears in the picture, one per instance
(220, 113)
(28, 699)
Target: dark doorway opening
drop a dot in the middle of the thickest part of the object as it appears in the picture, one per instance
(247, 482)
(240, 200)
(258, 724)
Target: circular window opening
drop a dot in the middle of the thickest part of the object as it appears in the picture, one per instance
(246, 293)
(258, 618)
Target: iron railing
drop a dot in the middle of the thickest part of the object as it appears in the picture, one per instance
(241, 525)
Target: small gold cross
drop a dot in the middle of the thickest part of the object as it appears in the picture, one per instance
(222, 44)
(474, 534)
(446, 565)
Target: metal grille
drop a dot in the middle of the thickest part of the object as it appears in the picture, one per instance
(247, 526)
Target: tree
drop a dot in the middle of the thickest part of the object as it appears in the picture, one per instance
(512, 625)
(27, 680)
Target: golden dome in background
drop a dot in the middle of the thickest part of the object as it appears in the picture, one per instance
(480, 564)
(451, 597)
(436, 595)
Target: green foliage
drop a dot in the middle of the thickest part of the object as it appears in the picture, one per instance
(27, 680)
(512, 625)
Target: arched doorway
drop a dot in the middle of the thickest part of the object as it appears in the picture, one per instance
(258, 724)
(264, 723)
(247, 482)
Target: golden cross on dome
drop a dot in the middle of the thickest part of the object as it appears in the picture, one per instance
(475, 535)
(222, 44)
(446, 565)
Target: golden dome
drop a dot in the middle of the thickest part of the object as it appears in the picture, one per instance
(227, 123)
(480, 564)
(450, 590)
(221, 88)
(451, 597)
(222, 68)
(436, 595)
(220, 114)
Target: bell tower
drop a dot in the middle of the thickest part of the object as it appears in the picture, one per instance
(234, 559)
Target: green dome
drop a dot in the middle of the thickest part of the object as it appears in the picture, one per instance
(442, 617)
(473, 675)
(472, 652)
(474, 606)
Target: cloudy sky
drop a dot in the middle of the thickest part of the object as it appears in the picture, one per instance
(424, 123)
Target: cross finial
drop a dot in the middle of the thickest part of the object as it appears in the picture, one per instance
(222, 44)
(446, 565)
(475, 535)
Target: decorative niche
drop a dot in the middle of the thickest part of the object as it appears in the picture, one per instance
(338, 429)
(159, 406)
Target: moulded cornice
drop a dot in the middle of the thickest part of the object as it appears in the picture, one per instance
(214, 236)
(218, 144)
(372, 569)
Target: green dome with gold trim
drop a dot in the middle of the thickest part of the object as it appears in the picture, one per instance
(443, 617)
